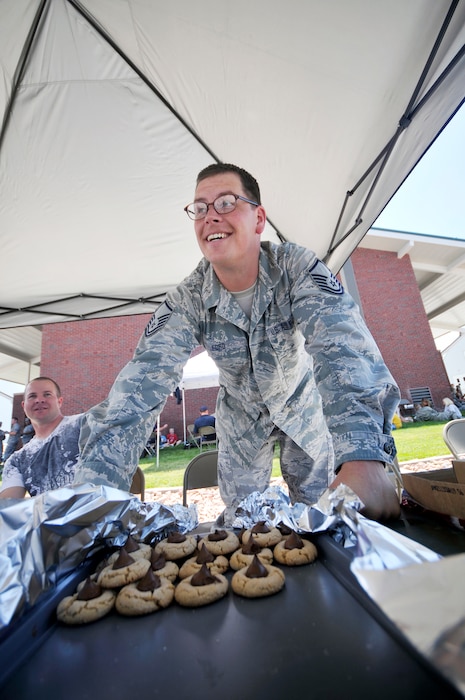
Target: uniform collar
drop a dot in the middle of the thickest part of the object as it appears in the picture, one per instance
(269, 274)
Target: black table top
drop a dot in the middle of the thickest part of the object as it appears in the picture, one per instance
(320, 636)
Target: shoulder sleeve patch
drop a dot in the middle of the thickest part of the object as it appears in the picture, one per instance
(159, 319)
(324, 278)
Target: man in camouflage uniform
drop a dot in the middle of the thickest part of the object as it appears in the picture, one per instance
(296, 362)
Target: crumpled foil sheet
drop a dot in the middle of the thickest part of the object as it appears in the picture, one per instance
(43, 538)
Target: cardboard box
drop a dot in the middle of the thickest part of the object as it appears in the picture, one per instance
(459, 470)
(437, 490)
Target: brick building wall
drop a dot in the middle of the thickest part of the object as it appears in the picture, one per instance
(396, 317)
(84, 357)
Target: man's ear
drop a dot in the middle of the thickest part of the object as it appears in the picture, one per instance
(261, 220)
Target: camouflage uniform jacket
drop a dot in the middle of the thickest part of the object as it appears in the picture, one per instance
(304, 362)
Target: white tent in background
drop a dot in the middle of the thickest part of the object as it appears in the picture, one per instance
(200, 372)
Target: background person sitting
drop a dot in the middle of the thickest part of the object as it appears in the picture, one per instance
(154, 434)
(205, 419)
(172, 438)
(426, 413)
(396, 420)
(450, 411)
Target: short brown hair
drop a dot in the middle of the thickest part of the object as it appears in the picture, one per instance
(249, 183)
(45, 379)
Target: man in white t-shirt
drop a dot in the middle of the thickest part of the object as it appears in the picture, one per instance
(48, 460)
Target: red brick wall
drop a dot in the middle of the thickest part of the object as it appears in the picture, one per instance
(395, 315)
(84, 357)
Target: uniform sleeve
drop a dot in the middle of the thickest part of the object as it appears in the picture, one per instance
(358, 392)
(115, 431)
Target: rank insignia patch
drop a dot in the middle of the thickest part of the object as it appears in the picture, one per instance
(324, 278)
(158, 320)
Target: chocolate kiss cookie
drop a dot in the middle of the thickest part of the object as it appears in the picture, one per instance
(150, 594)
(123, 571)
(265, 536)
(201, 589)
(135, 549)
(244, 556)
(216, 565)
(90, 603)
(294, 551)
(161, 567)
(257, 580)
(176, 546)
(220, 542)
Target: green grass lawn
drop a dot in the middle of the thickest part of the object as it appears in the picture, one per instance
(173, 461)
(420, 440)
(413, 441)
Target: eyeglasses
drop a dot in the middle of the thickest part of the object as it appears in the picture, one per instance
(222, 205)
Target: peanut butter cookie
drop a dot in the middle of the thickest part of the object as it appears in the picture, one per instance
(216, 565)
(90, 603)
(150, 594)
(200, 589)
(294, 551)
(123, 571)
(263, 534)
(176, 546)
(257, 580)
(220, 542)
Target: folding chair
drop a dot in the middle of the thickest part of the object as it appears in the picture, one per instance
(151, 449)
(204, 433)
(138, 483)
(193, 439)
(201, 473)
(454, 436)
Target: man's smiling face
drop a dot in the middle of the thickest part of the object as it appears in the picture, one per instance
(41, 402)
(228, 240)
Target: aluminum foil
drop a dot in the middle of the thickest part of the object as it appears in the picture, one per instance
(43, 538)
(335, 511)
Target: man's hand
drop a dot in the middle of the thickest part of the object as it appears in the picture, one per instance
(373, 486)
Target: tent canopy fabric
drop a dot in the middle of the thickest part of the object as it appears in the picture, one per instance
(110, 109)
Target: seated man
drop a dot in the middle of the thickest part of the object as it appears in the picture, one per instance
(47, 461)
(205, 419)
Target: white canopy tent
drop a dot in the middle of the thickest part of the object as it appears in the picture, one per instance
(200, 372)
(109, 110)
